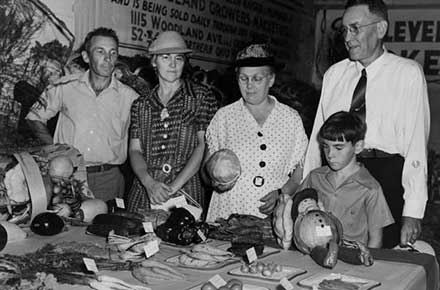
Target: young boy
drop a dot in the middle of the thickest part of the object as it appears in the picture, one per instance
(344, 186)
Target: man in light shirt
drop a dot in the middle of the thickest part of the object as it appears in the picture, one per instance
(94, 114)
(396, 114)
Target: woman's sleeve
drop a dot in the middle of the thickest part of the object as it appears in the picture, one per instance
(134, 117)
(301, 141)
(208, 107)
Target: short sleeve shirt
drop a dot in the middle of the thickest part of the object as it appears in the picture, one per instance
(267, 154)
(358, 203)
(96, 125)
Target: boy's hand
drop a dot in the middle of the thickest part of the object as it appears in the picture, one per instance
(270, 200)
(411, 229)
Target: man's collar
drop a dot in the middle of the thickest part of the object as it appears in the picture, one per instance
(376, 64)
(85, 78)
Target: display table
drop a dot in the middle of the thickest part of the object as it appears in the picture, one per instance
(391, 275)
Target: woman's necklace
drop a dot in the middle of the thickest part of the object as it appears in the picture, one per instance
(165, 97)
(164, 114)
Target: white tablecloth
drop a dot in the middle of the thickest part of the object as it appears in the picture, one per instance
(391, 275)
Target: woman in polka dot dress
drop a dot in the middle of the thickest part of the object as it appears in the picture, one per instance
(268, 137)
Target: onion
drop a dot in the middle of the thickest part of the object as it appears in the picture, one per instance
(62, 210)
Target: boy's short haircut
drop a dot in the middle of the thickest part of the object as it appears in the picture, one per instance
(343, 126)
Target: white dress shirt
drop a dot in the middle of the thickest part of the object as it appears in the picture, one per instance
(95, 125)
(397, 117)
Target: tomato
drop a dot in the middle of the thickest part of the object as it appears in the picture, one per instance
(56, 189)
(267, 272)
(253, 269)
(208, 286)
(236, 287)
(260, 267)
(233, 282)
(244, 268)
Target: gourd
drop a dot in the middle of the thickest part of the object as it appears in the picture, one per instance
(10, 232)
(90, 208)
(283, 222)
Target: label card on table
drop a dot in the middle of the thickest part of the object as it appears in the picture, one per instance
(286, 284)
(201, 235)
(217, 281)
(90, 265)
(148, 227)
(180, 201)
(151, 248)
(120, 202)
(251, 254)
(324, 231)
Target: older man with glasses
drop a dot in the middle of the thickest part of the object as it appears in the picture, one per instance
(389, 92)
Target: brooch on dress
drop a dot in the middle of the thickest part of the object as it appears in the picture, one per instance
(164, 114)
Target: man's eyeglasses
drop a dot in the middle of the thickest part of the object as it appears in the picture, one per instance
(354, 29)
(255, 79)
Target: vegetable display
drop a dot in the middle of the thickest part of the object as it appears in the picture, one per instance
(181, 228)
(316, 232)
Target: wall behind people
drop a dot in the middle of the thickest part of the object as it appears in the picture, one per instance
(215, 29)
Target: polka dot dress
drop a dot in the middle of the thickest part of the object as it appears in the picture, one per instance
(267, 154)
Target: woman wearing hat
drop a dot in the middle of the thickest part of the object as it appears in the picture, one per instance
(167, 130)
(267, 136)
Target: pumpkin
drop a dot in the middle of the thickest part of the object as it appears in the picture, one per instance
(316, 228)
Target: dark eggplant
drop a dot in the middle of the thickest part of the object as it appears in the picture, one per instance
(47, 224)
(182, 236)
(180, 217)
(124, 225)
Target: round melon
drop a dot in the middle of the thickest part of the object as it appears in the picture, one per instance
(92, 207)
(60, 167)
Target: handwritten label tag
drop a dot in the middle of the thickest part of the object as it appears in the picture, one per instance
(201, 235)
(120, 202)
(148, 227)
(90, 265)
(180, 201)
(217, 281)
(151, 248)
(251, 254)
(324, 231)
(286, 284)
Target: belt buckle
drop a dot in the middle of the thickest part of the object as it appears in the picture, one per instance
(166, 168)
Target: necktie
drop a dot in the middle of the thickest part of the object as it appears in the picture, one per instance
(358, 101)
